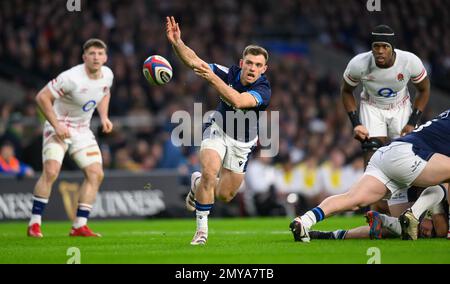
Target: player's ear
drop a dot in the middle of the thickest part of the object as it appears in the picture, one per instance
(241, 62)
(264, 69)
(84, 57)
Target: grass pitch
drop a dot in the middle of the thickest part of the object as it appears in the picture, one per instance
(231, 241)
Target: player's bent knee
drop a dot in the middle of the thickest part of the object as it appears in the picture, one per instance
(225, 197)
(95, 174)
(51, 173)
(209, 178)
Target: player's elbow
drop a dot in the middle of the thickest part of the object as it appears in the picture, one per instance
(243, 103)
(237, 104)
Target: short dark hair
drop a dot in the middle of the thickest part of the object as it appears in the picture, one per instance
(256, 50)
(96, 43)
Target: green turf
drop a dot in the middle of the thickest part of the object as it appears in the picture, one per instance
(233, 241)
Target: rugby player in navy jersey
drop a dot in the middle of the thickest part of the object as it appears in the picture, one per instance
(232, 131)
(421, 158)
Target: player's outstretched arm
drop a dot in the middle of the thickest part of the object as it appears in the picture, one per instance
(420, 102)
(44, 100)
(186, 55)
(102, 110)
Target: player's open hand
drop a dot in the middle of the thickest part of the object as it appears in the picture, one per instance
(361, 133)
(407, 129)
(173, 31)
(107, 126)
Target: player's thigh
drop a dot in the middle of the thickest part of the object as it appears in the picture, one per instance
(87, 156)
(398, 119)
(436, 171)
(367, 190)
(210, 161)
(53, 149)
(229, 183)
(373, 119)
(212, 150)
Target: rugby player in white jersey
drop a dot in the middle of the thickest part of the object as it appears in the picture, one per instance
(68, 103)
(385, 106)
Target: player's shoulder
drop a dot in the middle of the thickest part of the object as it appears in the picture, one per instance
(73, 72)
(406, 55)
(361, 60)
(107, 72)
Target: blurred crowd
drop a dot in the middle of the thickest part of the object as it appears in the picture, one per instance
(40, 39)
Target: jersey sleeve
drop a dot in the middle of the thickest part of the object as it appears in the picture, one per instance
(352, 74)
(61, 85)
(110, 76)
(220, 71)
(261, 93)
(416, 69)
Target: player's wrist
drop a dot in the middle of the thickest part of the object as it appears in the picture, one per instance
(415, 117)
(354, 118)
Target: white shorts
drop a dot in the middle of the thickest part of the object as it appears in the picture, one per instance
(234, 154)
(396, 166)
(384, 122)
(82, 146)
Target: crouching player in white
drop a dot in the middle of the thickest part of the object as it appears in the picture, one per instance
(421, 158)
(385, 107)
(68, 103)
(223, 152)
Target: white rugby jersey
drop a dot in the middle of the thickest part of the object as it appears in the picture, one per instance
(77, 95)
(383, 86)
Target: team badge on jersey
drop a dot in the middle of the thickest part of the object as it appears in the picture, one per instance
(400, 77)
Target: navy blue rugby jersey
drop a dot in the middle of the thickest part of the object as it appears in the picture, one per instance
(431, 137)
(246, 121)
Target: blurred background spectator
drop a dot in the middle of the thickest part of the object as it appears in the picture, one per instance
(10, 165)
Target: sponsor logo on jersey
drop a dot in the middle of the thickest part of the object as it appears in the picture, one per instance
(89, 105)
(387, 93)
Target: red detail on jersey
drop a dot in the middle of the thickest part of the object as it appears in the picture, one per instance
(84, 90)
(420, 76)
(400, 77)
(351, 79)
